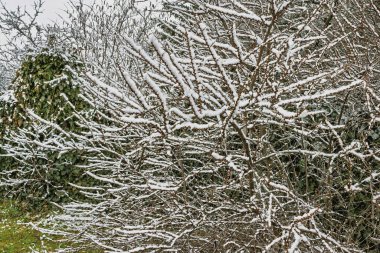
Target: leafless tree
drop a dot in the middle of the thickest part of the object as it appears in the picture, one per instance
(19, 33)
(237, 127)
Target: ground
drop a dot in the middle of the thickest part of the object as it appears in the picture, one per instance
(17, 236)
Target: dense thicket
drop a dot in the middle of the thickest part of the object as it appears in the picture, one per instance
(234, 127)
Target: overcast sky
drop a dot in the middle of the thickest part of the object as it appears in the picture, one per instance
(51, 8)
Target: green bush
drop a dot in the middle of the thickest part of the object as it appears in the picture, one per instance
(45, 83)
(48, 85)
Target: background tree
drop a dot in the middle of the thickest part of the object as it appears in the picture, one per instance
(20, 33)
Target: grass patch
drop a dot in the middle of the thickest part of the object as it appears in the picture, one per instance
(16, 237)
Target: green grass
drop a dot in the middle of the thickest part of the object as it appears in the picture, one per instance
(16, 237)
